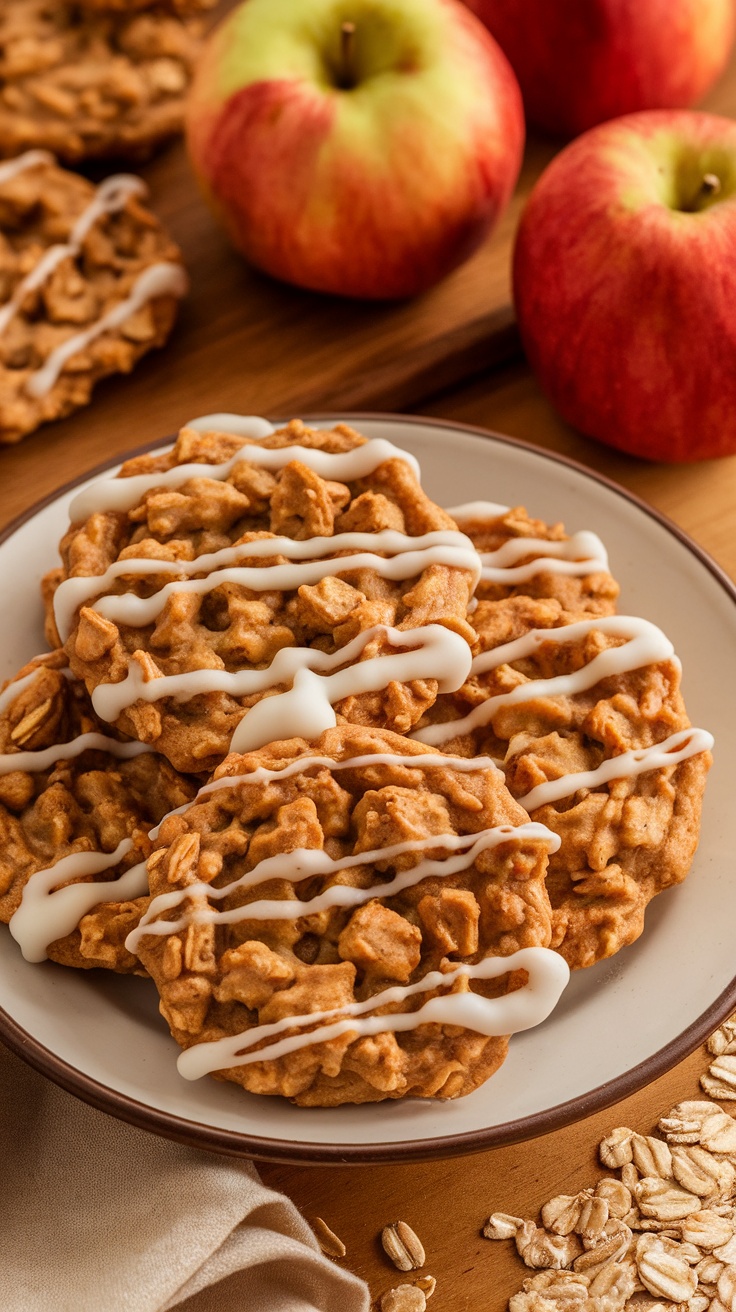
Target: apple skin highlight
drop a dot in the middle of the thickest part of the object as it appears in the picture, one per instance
(376, 191)
(580, 62)
(625, 285)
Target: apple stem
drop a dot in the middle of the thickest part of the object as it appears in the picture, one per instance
(710, 186)
(346, 72)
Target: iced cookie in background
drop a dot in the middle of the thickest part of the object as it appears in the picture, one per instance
(87, 83)
(526, 557)
(134, 6)
(350, 920)
(586, 719)
(253, 584)
(76, 805)
(89, 282)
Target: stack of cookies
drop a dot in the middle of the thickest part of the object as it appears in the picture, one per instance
(354, 787)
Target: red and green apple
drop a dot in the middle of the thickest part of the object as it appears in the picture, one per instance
(580, 62)
(360, 147)
(625, 284)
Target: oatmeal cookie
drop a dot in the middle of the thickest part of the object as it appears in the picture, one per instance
(235, 591)
(75, 810)
(423, 875)
(89, 282)
(88, 84)
(586, 718)
(525, 557)
(132, 6)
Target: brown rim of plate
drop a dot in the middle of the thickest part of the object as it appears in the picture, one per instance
(234, 1144)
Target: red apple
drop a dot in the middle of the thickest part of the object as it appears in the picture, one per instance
(580, 62)
(363, 147)
(625, 284)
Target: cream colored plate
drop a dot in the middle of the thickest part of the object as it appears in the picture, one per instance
(618, 1025)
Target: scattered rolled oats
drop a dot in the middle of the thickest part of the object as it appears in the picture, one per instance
(724, 1039)
(427, 1284)
(720, 1079)
(403, 1247)
(615, 1150)
(404, 1298)
(665, 1201)
(327, 1239)
(663, 1270)
(502, 1226)
(538, 1248)
(684, 1123)
(662, 1238)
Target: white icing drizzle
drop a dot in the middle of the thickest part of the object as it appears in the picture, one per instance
(162, 279)
(34, 761)
(233, 425)
(317, 681)
(645, 645)
(48, 912)
(110, 196)
(262, 775)
(305, 863)
(124, 493)
(582, 553)
(678, 747)
(29, 160)
(477, 510)
(519, 1010)
(406, 556)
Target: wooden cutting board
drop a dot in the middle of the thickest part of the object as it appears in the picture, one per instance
(246, 343)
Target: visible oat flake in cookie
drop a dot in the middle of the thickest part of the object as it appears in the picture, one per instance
(236, 590)
(86, 83)
(350, 921)
(75, 808)
(89, 282)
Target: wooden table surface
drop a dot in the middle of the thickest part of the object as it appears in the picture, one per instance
(245, 343)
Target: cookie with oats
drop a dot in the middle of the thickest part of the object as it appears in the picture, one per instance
(525, 557)
(132, 6)
(239, 590)
(91, 85)
(75, 809)
(89, 282)
(585, 716)
(307, 880)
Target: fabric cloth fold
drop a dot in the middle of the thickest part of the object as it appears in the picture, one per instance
(97, 1216)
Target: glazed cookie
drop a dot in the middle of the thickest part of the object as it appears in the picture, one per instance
(351, 921)
(89, 282)
(132, 6)
(75, 809)
(240, 589)
(587, 720)
(524, 557)
(87, 84)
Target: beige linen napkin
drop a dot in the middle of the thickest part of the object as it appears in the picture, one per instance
(96, 1216)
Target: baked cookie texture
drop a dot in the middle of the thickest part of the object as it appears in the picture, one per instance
(526, 557)
(52, 809)
(133, 6)
(231, 626)
(625, 836)
(223, 979)
(71, 255)
(89, 84)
